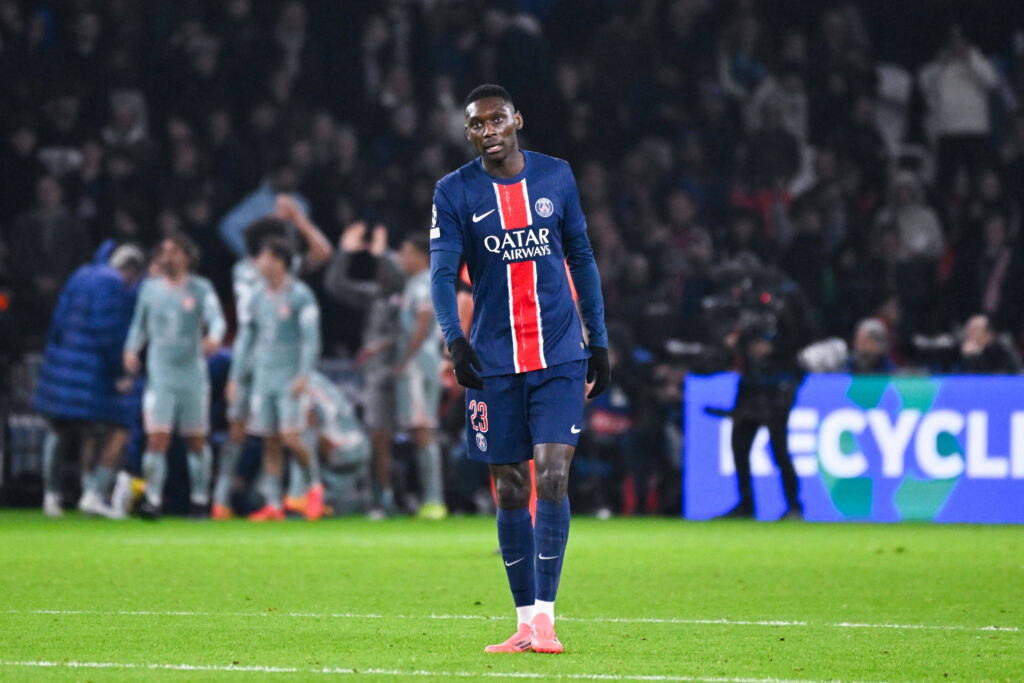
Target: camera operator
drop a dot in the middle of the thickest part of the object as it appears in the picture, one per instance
(773, 324)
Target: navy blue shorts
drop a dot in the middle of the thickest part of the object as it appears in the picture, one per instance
(513, 413)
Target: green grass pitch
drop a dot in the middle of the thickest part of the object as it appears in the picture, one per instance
(650, 600)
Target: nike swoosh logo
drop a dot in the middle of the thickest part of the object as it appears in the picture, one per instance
(477, 219)
(575, 430)
(509, 564)
(553, 557)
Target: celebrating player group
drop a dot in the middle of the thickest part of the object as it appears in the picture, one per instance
(515, 217)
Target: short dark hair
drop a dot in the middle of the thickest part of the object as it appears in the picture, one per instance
(419, 242)
(486, 90)
(187, 245)
(260, 230)
(280, 248)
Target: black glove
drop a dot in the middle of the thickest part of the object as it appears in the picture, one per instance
(464, 360)
(598, 371)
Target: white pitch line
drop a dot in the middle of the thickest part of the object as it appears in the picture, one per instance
(482, 617)
(342, 671)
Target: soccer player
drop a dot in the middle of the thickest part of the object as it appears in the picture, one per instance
(418, 373)
(516, 216)
(378, 298)
(280, 342)
(179, 316)
(335, 435)
(245, 280)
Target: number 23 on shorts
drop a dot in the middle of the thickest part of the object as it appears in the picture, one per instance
(478, 415)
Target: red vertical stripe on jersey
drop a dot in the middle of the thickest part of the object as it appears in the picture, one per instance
(523, 304)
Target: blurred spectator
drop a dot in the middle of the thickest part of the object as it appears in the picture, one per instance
(870, 354)
(46, 242)
(956, 86)
(990, 277)
(919, 243)
(19, 169)
(982, 353)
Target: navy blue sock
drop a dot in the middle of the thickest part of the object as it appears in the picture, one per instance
(515, 536)
(551, 532)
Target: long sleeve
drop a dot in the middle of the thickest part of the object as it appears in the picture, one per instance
(337, 283)
(233, 225)
(241, 350)
(982, 70)
(213, 315)
(309, 322)
(443, 270)
(580, 257)
(137, 331)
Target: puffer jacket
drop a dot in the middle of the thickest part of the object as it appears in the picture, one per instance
(82, 361)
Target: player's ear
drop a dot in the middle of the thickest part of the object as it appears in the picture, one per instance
(518, 118)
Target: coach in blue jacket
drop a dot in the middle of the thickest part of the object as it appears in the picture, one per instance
(78, 381)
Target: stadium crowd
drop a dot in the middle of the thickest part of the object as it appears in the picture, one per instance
(874, 152)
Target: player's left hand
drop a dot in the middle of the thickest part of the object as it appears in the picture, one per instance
(598, 371)
(379, 240)
(210, 346)
(298, 386)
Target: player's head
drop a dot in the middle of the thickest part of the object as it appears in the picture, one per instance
(275, 257)
(129, 261)
(492, 121)
(177, 254)
(260, 230)
(414, 254)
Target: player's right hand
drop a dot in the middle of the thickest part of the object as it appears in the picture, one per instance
(463, 361)
(230, 389)
(353, 237)
(131, 362)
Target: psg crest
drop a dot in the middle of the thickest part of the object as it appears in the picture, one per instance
(481, 441)
(544, 207)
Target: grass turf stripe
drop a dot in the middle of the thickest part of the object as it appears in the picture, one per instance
(589, 620)
(240, 668)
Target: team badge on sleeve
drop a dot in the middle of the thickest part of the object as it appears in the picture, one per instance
(544, 207)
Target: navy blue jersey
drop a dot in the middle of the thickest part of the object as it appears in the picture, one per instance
(511, 232)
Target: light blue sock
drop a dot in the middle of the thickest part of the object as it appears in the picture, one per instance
(271, 487)
(200, 466)
(226, 471)
(428, 459)
(311, 440)
(154, 470)
(296, 479)
(51, 462)
(102, 480)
